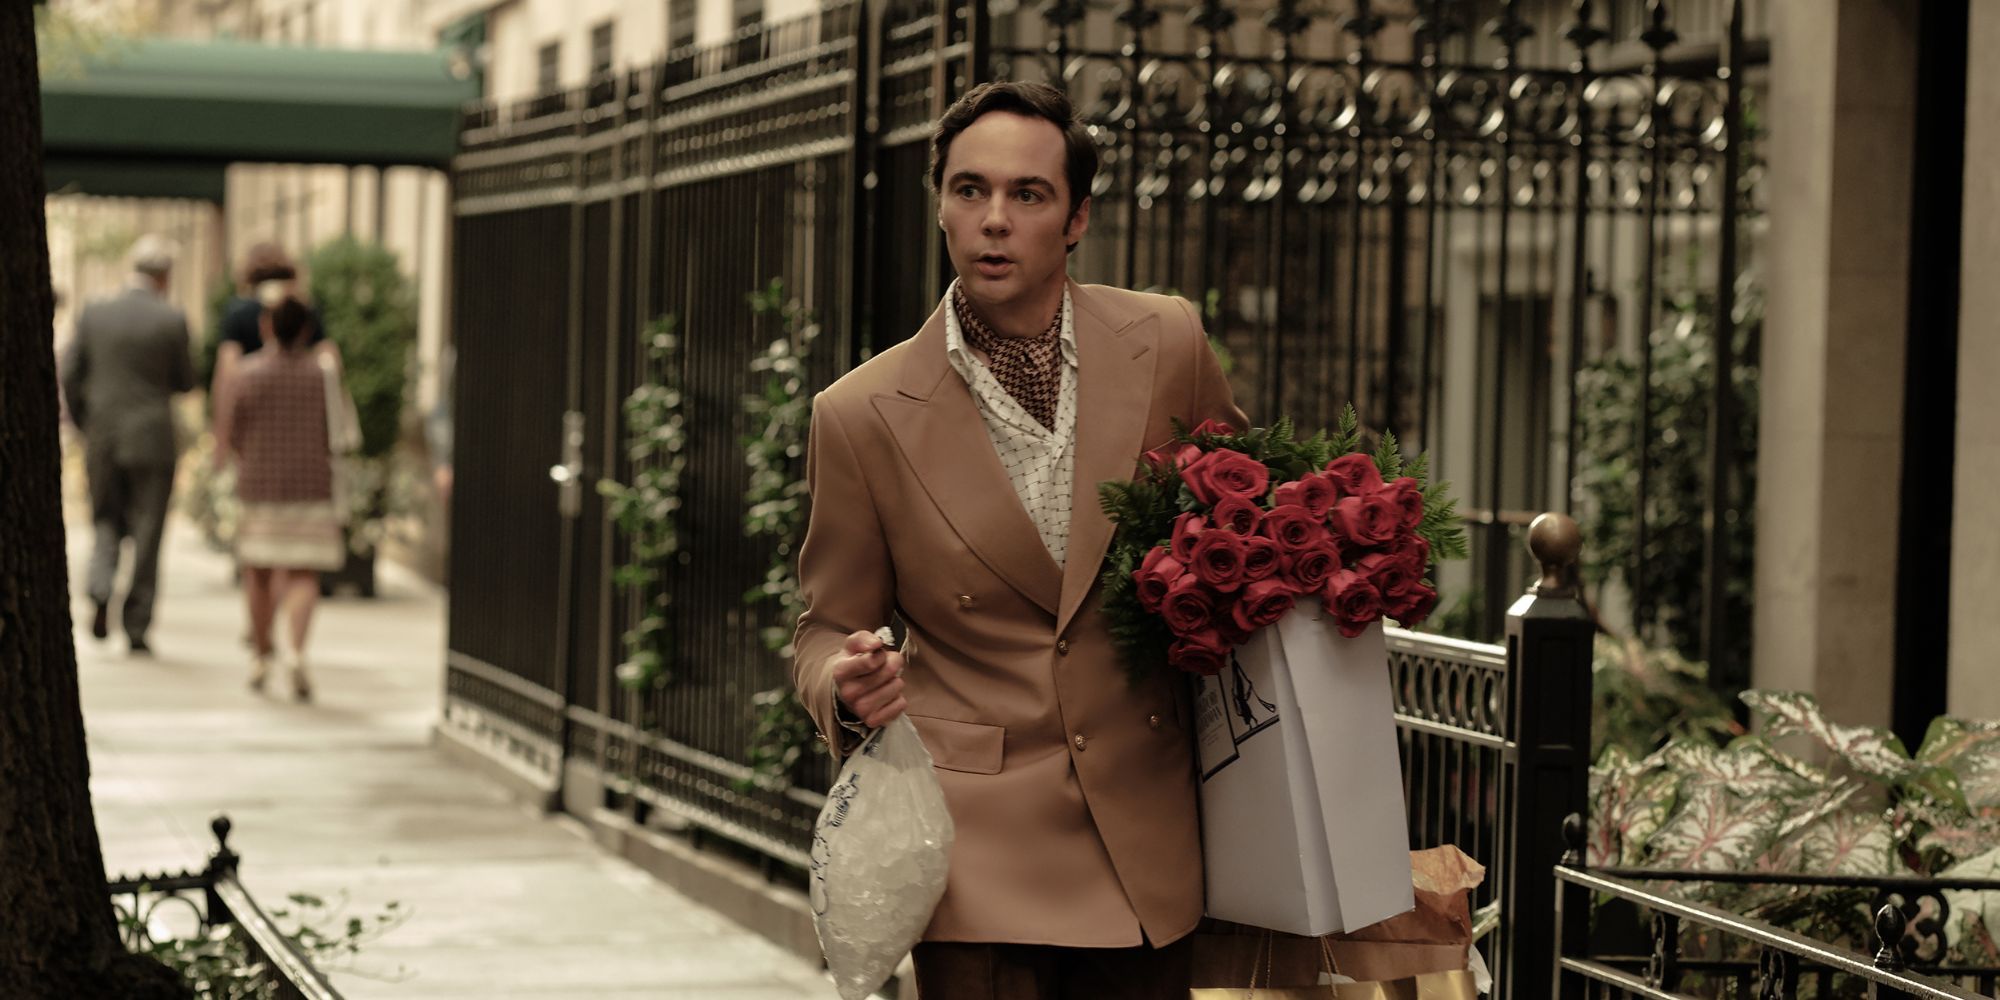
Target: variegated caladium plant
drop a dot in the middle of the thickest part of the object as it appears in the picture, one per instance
(1802, 793)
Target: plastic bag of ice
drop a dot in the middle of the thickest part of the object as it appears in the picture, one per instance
(880, 852)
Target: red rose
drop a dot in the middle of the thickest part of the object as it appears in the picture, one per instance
(1353, 602)
(1186, 528)
(1369, 521)
(1389, 572)
(1292, 527)
(1155, 576)
(1411, 609)
(1205, 652)
(1175, 456)
(1312, 567)
(1315, 493)
(1262, 604)
(1415, 553)
(1218, 558)
(1213, 426)
(1354, 474)
(1236, 514)
(1187, 606)
(1262, 559)
(1226, 473)
(1409, 498)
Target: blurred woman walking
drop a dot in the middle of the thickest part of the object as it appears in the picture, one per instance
(283, 416)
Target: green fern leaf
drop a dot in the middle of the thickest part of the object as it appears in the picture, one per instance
(1388, 457)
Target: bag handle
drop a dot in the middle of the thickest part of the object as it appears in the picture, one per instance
(1327, 963)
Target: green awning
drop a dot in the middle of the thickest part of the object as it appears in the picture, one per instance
(182, 107)
(134, 178)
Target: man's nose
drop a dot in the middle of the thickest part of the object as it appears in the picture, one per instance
(995, 221)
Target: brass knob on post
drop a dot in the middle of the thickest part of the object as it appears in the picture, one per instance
(1556, 541)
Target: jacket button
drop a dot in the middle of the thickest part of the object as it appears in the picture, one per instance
(1062, 647)
(1153, 721)
(965, 602)
(1080, 741)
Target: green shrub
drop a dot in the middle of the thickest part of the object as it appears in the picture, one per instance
(371, 313)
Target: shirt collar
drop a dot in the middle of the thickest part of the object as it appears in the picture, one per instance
(961, 356)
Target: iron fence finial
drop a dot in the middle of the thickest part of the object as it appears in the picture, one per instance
(1509, 28)
(1573, 840)
(1556, 541)
(1658, 34)
(224, 859)
(1582, 33)
(1889, 933)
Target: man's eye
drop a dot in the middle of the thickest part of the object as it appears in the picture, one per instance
(968, 191)
(1031, 197)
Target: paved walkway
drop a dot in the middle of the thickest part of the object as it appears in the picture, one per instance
(346, 796)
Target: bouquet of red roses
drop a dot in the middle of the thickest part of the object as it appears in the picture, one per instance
(1222, 532)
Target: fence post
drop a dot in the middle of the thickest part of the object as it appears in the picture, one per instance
(1549, 635)
(1572, 923)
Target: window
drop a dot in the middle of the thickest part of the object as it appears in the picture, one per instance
(600, 49)
(549, 77)
(680, 24)
(749, 13)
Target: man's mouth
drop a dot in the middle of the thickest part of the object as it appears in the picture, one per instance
(993, 265)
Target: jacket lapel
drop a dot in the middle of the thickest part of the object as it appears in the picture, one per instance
(1115, 361)
(941, 434)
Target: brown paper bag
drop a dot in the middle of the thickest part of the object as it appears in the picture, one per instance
(1452, 985)
(1424, 949)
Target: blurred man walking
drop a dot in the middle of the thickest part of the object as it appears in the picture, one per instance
(128, 360)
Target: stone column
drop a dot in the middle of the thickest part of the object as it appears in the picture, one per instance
(1841, 111)
(1975, 535)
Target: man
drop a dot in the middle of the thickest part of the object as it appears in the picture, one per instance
(265, 268)
(954, 485)
(128, 359)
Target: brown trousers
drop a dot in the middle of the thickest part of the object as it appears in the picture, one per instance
(954, 971)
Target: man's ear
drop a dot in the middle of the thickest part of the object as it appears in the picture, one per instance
(1079, 221)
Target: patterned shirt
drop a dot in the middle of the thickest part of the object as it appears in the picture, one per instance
(277, 425)
(1040, 461)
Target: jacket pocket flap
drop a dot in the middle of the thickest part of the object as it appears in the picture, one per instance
(962, 746)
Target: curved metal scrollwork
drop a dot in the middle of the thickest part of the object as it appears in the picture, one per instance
(1250, 97)
(1170, 95)
(1469, 104)
(1663, 968)
(1777, 975)
(1915, 923)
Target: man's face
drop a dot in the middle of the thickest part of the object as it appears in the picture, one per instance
(1004, 208)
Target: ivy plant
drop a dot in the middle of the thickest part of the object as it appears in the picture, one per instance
(647, 510)
(774, 508)
(216, 963)
(1667, 610)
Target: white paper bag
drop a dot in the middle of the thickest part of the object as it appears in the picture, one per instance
(880, 853)
(1302, 817)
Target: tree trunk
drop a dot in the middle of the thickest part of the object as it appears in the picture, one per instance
(58, 935)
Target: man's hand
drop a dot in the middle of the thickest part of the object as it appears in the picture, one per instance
(868, 679)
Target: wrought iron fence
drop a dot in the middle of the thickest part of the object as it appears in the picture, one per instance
(209, 901)
(1405, 206)
(1675, 947)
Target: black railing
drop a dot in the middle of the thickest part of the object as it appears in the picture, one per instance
(1696, 950)
(213, 899)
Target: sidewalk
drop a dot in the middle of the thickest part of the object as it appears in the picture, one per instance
(346, 796)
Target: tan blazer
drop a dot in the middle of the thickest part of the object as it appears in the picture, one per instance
(1072, 788)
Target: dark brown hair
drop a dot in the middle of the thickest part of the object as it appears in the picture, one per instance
(1031, 100)
(290, 319)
